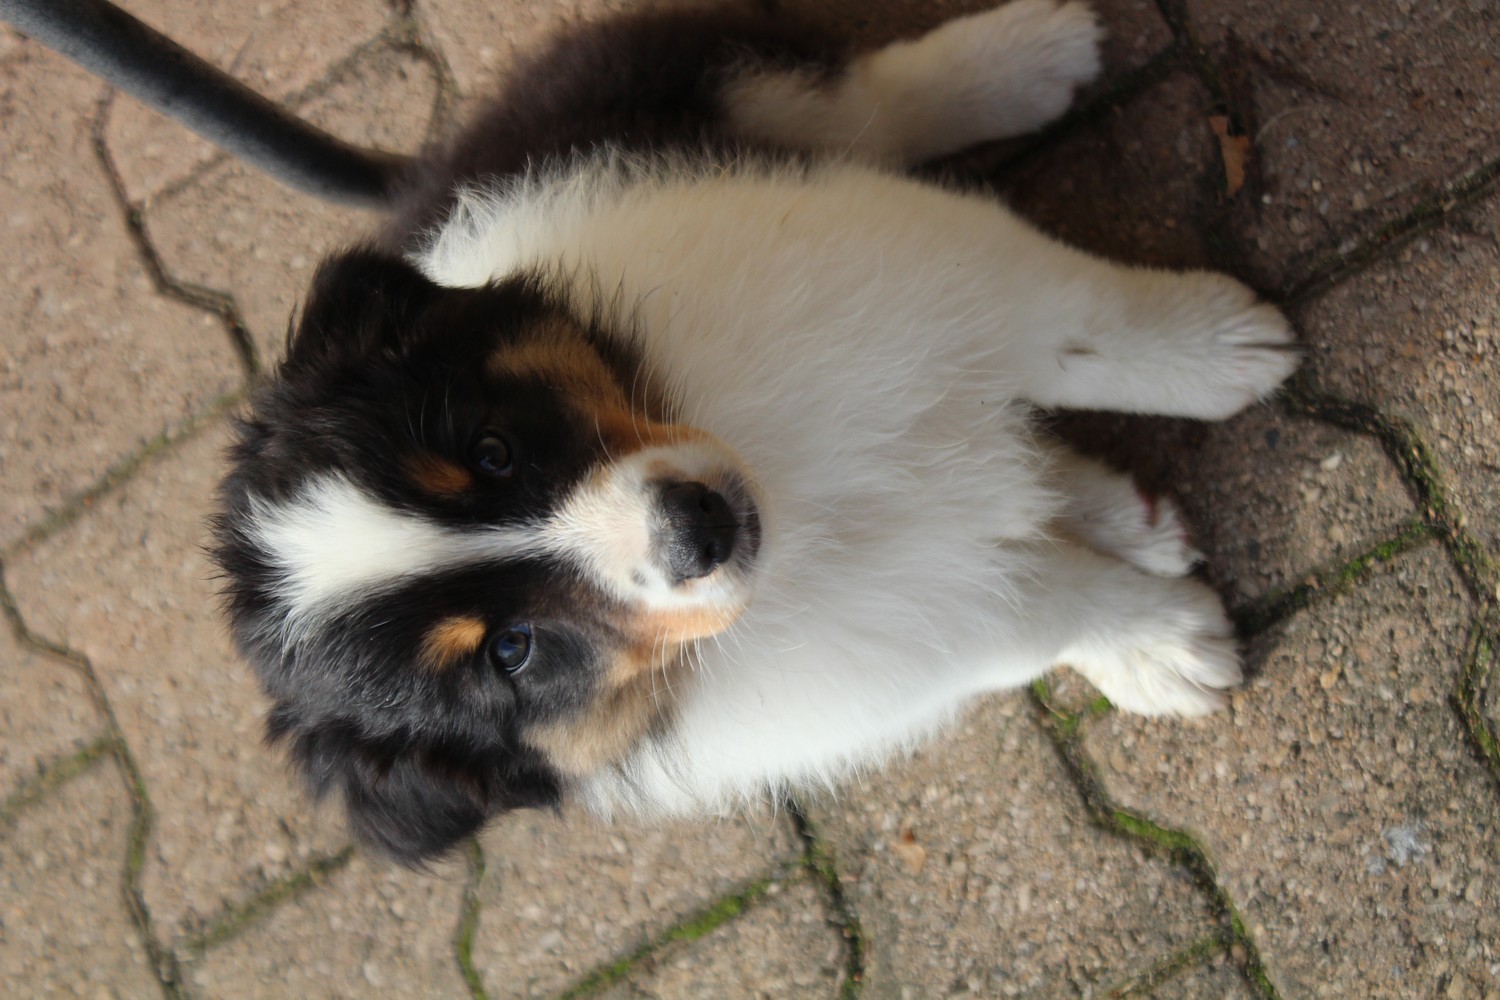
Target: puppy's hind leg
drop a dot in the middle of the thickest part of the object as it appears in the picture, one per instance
(1109, 513)
(1153, 645)
(987, 76)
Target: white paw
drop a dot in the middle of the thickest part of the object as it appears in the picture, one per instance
(1240, 350)
(1181, 661)
(1023, 62)
(1156, 539)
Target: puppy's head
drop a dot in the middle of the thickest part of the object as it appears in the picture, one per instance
(462, 544)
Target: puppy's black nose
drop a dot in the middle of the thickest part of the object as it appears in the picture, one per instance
(700, 530)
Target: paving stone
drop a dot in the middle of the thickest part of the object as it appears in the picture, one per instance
(93, 362)
(1419, 336)
(372, 929)
(1217, 980)
(1266, 497)
(563, 895)
(1347, 817)
(783, 948)
(1132, 185)
(1360, 111)
(130, 588)
(276, 47)
(973, 866)
(46, 712)
(236, 230)
(64, 929)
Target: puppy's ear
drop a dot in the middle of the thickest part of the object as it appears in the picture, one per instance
(409, 803)
(362, 302)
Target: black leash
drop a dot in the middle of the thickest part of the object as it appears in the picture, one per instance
(151, 67)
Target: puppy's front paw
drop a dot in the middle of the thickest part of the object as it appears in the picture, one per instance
(1242, 349)
(1046, 51)
(1182, 661)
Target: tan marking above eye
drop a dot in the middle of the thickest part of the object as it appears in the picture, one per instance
(563, 359)
(439, 476)
(451, 640)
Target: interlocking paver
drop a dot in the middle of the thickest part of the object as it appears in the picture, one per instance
(974, 865)
(130, 588)
(783, 949)
(1358, 112)
(372, 929)
(46, 712)
(563, 895)
(1419, 336)
(276, 48)
(64, 928)
(237, 231)
(93, 363)
(1349, 821)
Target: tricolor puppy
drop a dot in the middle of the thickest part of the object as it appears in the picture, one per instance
(674, 446)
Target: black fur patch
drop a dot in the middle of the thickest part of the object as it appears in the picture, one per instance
(385, 368)
(644, 83)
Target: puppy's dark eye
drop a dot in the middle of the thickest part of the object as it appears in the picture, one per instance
(510, 648)
(491, 455)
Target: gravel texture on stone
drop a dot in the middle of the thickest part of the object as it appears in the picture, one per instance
(64, 929)
(370, 930)
(46, 712)
(1348, 819)
(1356, 112)
(93, 362)
(973, 866)
(783, 948)
(562, 895)
(1418, 337)
(129, 587)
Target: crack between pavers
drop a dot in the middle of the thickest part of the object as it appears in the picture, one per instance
(405, 32)
(1475, 682)
(163, 961)
(1319, 585)
(234, 920)
(1065, 730)
(1330, 268)
(1415, 463)
(467, 927)
(221, 304)
(1398, 437)
(121, 473)
(419, 39)
(819, 862)
(699, 924)
(1197, 954)
(51, 777)
(1433, 212)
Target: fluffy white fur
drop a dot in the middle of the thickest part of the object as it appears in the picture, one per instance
(871, 345)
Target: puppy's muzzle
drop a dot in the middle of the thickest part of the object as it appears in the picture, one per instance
(701, 530)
